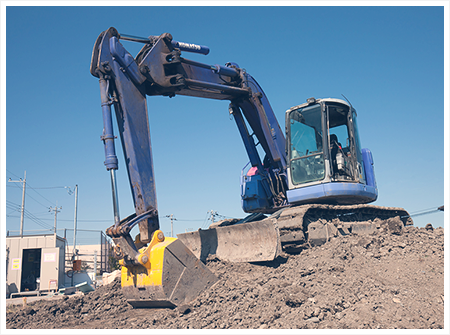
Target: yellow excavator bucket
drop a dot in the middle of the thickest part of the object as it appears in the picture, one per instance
(168, 275)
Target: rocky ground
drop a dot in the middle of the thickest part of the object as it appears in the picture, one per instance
(379, 281)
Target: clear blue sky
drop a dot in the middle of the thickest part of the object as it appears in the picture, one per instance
(388, 61)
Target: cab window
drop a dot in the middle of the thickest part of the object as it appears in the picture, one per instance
(306, 150)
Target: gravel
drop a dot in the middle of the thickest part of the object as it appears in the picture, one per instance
(378, 281)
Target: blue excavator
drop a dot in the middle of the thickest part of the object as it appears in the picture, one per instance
(300, 188)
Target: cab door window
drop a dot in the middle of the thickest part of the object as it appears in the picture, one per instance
(305, 149)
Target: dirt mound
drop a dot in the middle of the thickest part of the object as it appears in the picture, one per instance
(379, 281)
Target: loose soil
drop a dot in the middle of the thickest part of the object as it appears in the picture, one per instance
(381, 281)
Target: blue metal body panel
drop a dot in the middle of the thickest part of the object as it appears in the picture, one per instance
(368, 167)
(335, 192)
(253, 196)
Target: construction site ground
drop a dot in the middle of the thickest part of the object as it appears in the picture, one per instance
(385, 280)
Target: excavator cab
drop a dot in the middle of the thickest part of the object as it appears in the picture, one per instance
(325, 160)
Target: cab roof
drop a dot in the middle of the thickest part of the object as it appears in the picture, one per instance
(312, 101)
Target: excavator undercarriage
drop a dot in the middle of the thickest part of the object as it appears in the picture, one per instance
(292, 229)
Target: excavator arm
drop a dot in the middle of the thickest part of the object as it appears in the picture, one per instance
(159, 70)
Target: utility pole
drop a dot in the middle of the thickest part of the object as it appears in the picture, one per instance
(213, 215)
(171, 223)
(75, 223)
(24, 182)
(56, 212)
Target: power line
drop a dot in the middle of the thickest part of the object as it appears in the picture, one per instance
(41, 213)
(27, 214)
(37, 220)
(424, 213)
(427, 211)
(422, 210)
(8, 214)
(109, 220)
(13, 174)
(30, 215)
(70, 220)
(37, 201)
(50, 187)
(29, 196)
(12, 203)
(46, 187)
(39, 194)
(14, 209)
(100, 220)
(32, 197)
(39, 223)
